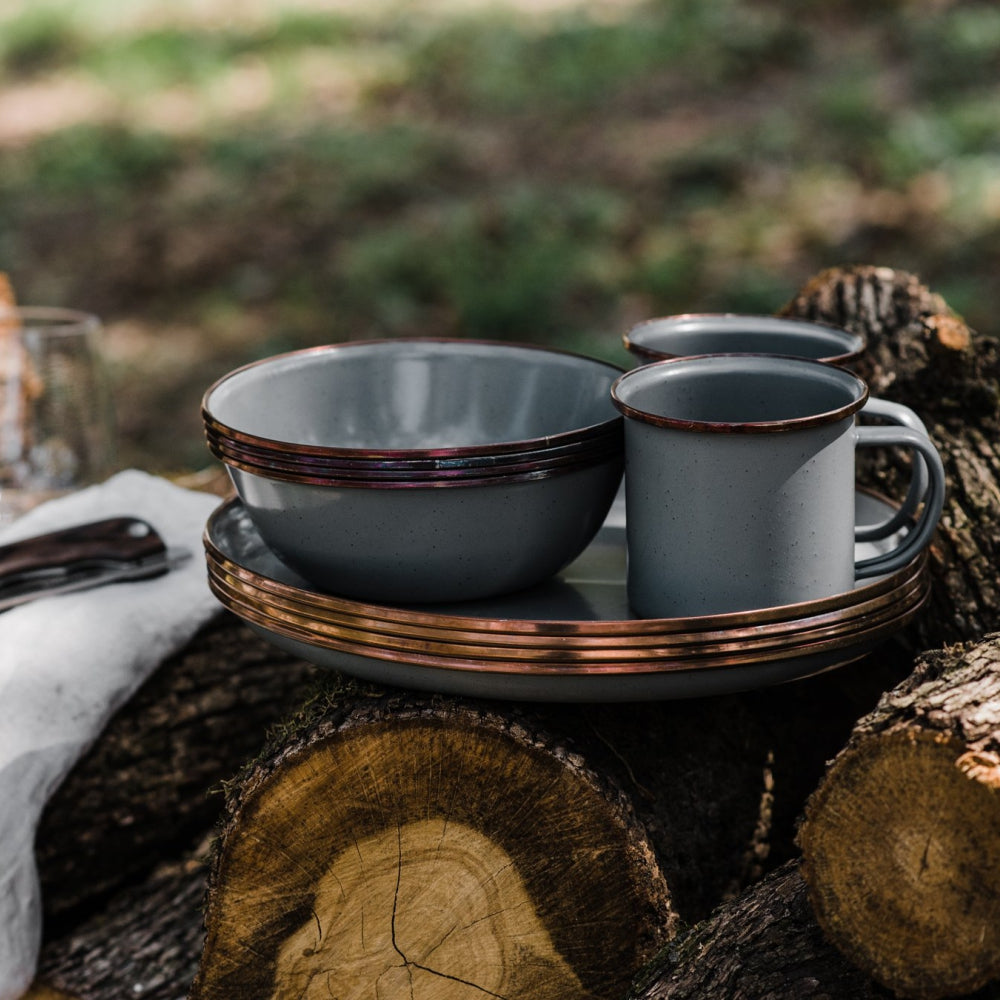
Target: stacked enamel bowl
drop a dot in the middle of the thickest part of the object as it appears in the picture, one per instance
(421, 469)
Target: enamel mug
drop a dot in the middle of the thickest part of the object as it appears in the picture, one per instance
(740, 483)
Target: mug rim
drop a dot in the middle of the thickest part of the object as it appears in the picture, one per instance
(854, 344)
(820, 369)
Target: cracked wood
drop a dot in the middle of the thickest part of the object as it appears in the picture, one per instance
(422, 848)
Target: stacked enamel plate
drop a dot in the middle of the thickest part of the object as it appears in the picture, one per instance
(571, 638)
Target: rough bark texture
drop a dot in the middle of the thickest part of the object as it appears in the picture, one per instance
(921, 354)
(143, 792)
(765, 945)
(901, 841)
(144, 943)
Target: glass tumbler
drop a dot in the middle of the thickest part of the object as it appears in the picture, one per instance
(57, 428)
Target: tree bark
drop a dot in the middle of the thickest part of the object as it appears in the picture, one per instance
(765, 945)
(144, 943)
(901, 840)
(921, 354)
(899, 843)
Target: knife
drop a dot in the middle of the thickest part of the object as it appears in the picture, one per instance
(81, 557)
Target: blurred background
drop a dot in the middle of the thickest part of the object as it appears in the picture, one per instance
(221, 180)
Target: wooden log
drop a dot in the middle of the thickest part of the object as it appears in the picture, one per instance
(763, 945)
(901, 840)
(661, 809)
(399, 845)
(921, 354)
(716, 784)
(143, 943)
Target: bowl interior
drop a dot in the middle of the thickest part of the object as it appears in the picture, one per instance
(414, 395)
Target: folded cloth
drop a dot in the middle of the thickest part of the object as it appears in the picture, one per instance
(67, 663)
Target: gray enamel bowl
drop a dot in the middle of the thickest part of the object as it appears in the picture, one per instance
(411, 471)
(413, 402)
(691, 334)
(414, 544)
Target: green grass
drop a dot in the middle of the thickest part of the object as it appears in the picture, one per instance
(483, 171)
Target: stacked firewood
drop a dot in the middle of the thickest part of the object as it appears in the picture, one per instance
(837, 837)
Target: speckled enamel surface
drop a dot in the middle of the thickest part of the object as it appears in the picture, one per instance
(740, 477)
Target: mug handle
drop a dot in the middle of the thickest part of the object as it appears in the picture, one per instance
(902, 416)
(919, 535)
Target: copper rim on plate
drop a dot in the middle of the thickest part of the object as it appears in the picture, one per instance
(252, 583)
(512, 664)
(674, 634)
(708, 649)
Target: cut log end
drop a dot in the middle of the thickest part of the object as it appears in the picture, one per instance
(902, 857)
(432, 903)
(949, 332)
(440, 856)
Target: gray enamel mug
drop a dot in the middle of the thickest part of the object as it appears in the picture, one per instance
(688, 334)
(740, 483)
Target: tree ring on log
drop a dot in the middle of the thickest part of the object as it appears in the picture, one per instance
(901, 854)
(446, 854)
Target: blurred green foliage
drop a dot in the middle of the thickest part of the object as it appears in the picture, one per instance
(473, 170)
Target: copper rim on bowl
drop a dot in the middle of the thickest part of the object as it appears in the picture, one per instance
(377, 473)
(297, 460)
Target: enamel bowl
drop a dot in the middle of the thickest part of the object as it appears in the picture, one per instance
(418, 470)
(414, 404)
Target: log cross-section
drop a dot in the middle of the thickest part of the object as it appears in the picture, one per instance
(437, 851)
(901, 841)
